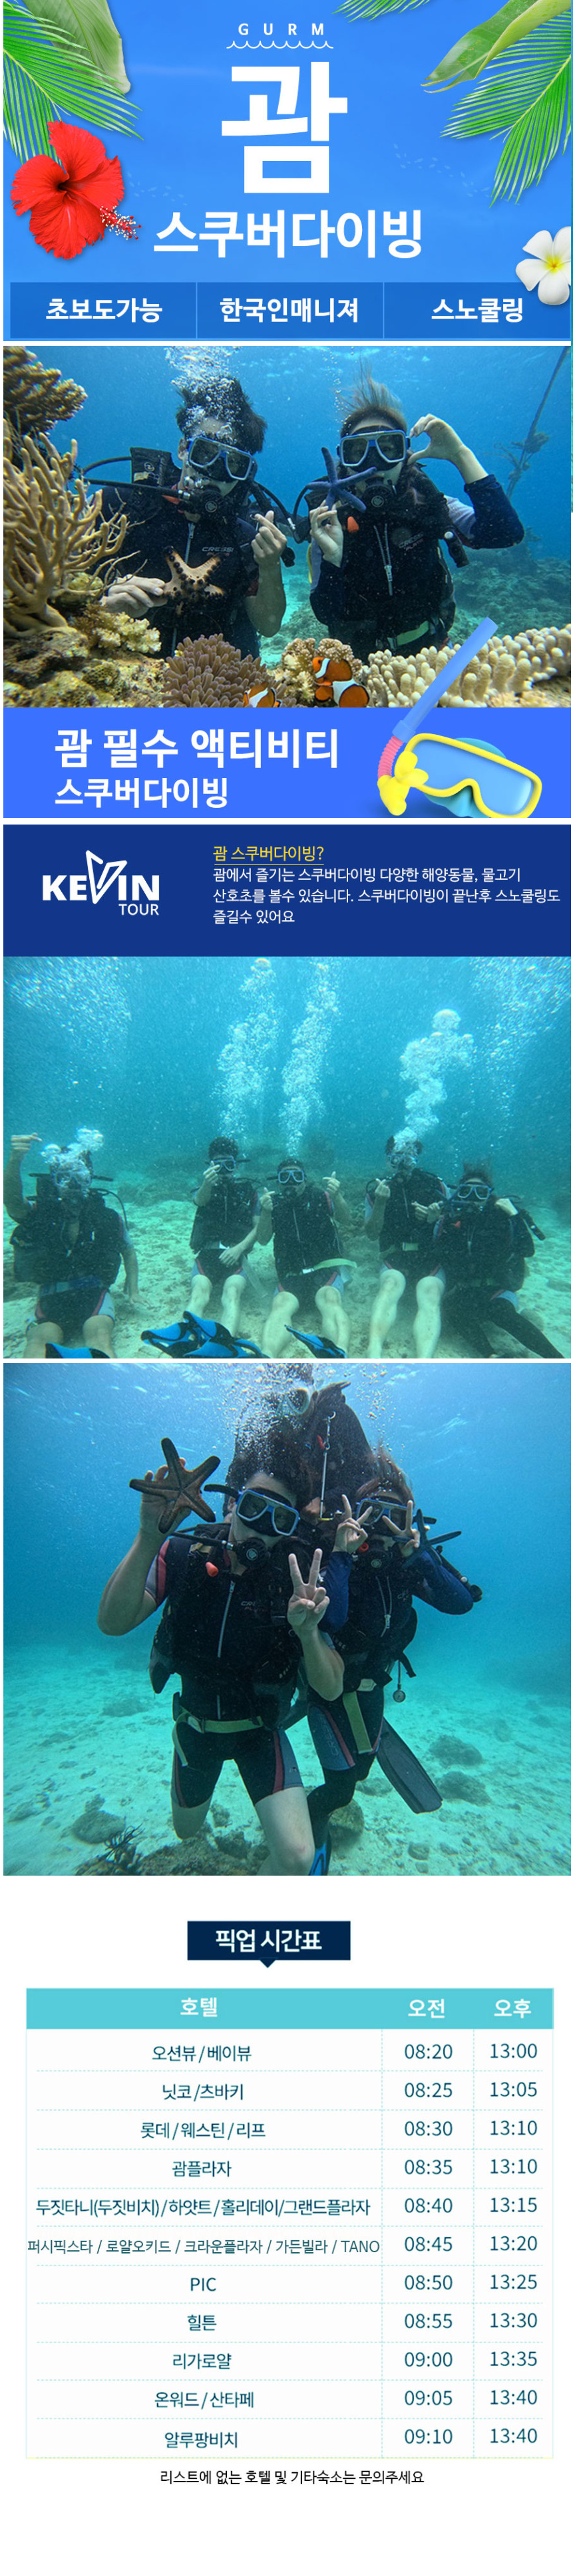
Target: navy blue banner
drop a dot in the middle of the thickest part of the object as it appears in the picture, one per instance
(301, 766)
(202, 891)
(269, 1943)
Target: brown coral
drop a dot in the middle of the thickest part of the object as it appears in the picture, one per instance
(55, 539)
(105, 659)
(507, 671)
(294, 678)
(207, 672)
(36, 396)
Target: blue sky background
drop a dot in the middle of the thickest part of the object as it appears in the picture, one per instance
(387, 151)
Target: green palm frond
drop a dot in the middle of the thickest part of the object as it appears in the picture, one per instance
(530, 95)
(375, 8)
(42, 82)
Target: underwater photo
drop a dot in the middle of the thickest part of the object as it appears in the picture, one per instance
(363, 1155)
(302, 534)
(395, 1701)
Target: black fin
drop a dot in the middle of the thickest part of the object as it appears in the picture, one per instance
(406, 1774)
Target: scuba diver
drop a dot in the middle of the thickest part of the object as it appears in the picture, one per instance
(484, 1243)
(243, 1606)
(301, 1217)
(397, 1564)
(402, 1212)
(225, 1227)
(205, 540)
(70, 1243)
(377, 525)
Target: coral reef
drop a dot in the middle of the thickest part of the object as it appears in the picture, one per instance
(94, 1825)
(36, 396)
(122, 1858)
(103, 659)
(532, 668)
(207, 672)
(294, 677)
(55, 540)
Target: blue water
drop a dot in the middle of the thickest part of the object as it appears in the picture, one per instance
(489, 396)
(487, 1451)
(293, 1051)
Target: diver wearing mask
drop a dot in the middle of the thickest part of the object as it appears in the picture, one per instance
(223, 1232)
(245, 1607)
(70, 1243)
(398, 1564)
(377, 523)
(484, 1243)
(401, 1211)
(303, 1221)
(210, 539)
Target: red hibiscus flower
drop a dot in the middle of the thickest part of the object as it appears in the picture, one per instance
(68, 199)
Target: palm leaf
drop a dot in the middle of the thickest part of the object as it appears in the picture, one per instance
(511, 25)
(42, 82)
(535, 139)
(513, 87)
(375, 8)
(89, 28)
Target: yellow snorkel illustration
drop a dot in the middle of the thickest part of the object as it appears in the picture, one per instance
(470, 778)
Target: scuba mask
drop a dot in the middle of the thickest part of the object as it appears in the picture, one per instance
(403, 1159)
(472, 1193)
(373, 448)
(383, 1507)
(274, 1517)
(289, 1178)
(226, 1164)
(211, 456)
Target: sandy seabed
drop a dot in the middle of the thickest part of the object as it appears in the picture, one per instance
(160, 1229)
(88, 1752)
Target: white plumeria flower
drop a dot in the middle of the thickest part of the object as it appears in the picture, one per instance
(549, 267)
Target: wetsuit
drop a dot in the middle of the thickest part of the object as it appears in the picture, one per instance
(393, 589)
(238, 1659)
(158, 527)
(226, 1218)
(381, 1624)
(406, 1243)
(304, 1237)
(483, 1253)
(73, 1279)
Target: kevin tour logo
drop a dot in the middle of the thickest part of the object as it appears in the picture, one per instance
(101, 876)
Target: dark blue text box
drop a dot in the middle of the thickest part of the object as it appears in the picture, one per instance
(271, 1944)
(183, 857)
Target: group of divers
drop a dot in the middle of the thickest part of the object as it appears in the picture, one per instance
(321, 1544)
(206, 542)
(458, 1251)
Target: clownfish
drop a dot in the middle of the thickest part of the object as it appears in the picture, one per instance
(260, 698)
(335, 686)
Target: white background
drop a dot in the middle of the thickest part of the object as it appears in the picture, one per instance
(502, 2516)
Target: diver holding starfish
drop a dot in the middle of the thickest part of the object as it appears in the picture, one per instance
(244, 1611)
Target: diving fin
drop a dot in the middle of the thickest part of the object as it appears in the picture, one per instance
(198, 1336)
(321, 1859)
(60, 1351)
(322, 1348)
(406, 1774)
